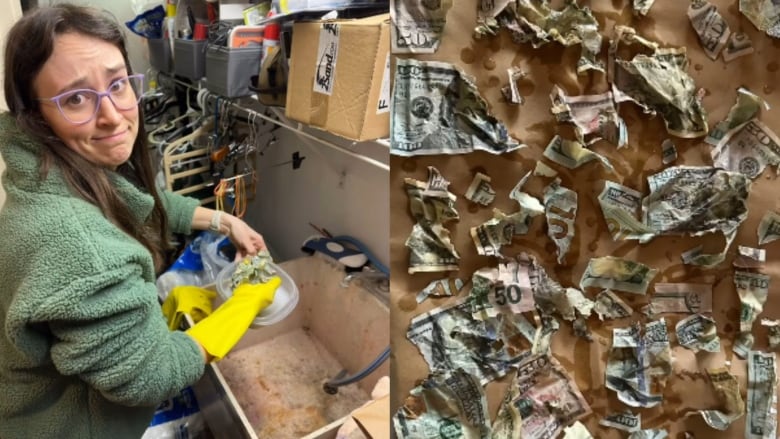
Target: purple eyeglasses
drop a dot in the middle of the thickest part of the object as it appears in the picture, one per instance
(81, 105)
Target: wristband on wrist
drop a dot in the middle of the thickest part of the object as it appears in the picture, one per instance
(215, 221)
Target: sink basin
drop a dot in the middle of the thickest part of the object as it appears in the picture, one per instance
(270, 384)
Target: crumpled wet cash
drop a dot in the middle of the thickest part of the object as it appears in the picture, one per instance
(253, 269)
(764, 14)
(595, 117)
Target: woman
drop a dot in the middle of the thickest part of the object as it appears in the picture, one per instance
(85, 351)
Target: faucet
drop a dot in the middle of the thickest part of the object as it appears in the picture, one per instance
(376, 282)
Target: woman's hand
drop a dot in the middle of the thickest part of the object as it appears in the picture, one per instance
(247, 241)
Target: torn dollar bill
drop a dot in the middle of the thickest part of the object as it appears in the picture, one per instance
(493, 234)
(761, 401)
(681, 298)
(480, 191)
(753, 289)
(487, 11)
(637, 364)
(764, 14)
(658, 83)
(417, 26)
(731, 406)
(747, 107)
(571, 154)
(510, 91)
(698, 332)
(560, 208)
(618, 274)
(437, 109)
(576, 431)
(641, 7)
(595, 117)
(655, 433)
(503, 289)
(712, 29)
(739, 45)
(697, 200)
(541, 400)
(447, 404)
(773, 332)
(620, 206)
(446, 287)
(769, 228)
(668, 151)
(625, 421)
(609, 306)
(432, 206)
(546, 327)
(531, 21)
(530, 207)
(748, 149)
(448, 337)
(749, 257)
(543, 170)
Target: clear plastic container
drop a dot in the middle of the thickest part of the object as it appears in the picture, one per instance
(285, 299)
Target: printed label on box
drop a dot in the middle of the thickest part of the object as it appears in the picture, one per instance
(384, 93)
(327, 54)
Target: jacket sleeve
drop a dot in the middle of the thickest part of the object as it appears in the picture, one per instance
(180, 210)
(112, 335)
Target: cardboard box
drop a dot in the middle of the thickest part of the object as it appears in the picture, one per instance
(339, 77)
(374, 418)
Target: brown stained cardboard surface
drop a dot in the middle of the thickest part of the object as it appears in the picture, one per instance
(534, 125)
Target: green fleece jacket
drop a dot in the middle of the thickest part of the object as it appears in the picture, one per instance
(84, 349)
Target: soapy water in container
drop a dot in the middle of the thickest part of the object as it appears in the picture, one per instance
(285, 299)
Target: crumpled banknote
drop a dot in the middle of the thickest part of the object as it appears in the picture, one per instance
(577, 431)
(698, 332)
(480, 191)
(764, 14)
(747, 107)
(773, 333)
(620, 206)
(654, 433)
(641, 7)
(417, 26)
(432, 205)
(541, 400)
(769, 228)
(731, 405)
(446, 287)
(511, 92)
(748, 149)
(753, 289)
(437, 109)
(536, 22)
(595, 117)
(659, 83)
(617, 273)
(610, 306)
(625, 421)
(681, 298)
(571, 154)
(560, 208)
(447, 404)
(761, 400)
(711, 28)
(253, 269)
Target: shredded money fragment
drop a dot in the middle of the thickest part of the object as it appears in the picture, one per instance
(625, 421)
(450, 402)
(618, 274)
(753, 289)
(417, 26)
(595, 117)
(637, 365)
(493, 234)
(437, 109)
(668, 151)
(535, 22)
(530, 207)
(761, 401)
(642, 7)
(503, 289)
(446, 287)
(571, 154)
(253, 269)
(739, 45)
(543, 170)
(560, 208)
(541, 400)
(655, 433)
(609, 306)
(747, 107)
(510, 91)
(773, 332)
(658, 83)
(449, 337)
(769, 228)
(697, 200)
(685, 298)
(749, 257)
(748, 148)
(731, 406)
(710, 26)
(432, 205)
(576, 431)
(620, 206)
(698, 332)
(480, 191)
(764, 14)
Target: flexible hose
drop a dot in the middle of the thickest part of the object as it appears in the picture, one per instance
(332, 386)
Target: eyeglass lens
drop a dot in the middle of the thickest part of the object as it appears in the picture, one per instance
(80, 106)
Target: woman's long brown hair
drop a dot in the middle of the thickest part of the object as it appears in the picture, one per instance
(29, 44)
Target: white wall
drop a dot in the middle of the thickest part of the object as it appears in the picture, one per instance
(14, 9)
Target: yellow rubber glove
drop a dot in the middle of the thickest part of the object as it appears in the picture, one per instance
(191, 300)
(220, 331)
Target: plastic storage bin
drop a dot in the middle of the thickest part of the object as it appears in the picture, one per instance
(160, 56)
(190, 56)
(229, 70)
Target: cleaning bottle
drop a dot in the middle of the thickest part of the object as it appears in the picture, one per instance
(270, 37)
